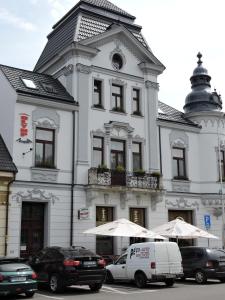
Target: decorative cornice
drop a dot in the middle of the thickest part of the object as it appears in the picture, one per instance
(83, 68)
(117, 81)
(34, 195)
(68, 70)
(182, 203)
(151, 85)
(118, 125)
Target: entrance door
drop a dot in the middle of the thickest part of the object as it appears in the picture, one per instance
(32, 228)
(187, 216)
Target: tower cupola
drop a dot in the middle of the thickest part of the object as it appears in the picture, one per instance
(201, 98)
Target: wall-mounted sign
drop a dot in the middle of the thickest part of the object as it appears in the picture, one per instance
(24, 119)
(83, 214)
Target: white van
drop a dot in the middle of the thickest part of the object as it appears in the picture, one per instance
(147, 262)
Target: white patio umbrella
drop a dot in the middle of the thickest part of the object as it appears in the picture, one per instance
(123, 228)
(180, 229)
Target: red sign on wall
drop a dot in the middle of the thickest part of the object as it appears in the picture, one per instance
(23, 125)
(23, 130)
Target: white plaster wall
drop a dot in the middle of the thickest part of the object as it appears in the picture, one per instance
(57, 219)
(63, 145)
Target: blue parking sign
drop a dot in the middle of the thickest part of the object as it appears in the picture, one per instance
(207, 221)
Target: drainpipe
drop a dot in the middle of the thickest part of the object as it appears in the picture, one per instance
(72, 183)
(7, 214)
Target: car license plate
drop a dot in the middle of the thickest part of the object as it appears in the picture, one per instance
(89, 263)
(18, 279)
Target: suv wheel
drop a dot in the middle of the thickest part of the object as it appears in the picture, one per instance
(109, 278)
(29, 294)
(95, 287)
(169, 282)
(222, 280)
(200, 277)
(55, 283)
(140, 280)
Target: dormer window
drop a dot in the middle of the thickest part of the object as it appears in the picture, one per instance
(48, 87)
(29, 83)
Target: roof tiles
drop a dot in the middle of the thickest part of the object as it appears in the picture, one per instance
(6, 162)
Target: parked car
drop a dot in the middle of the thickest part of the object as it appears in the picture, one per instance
(16, 278)
(60, 267)
(147, 262)
(203, 263)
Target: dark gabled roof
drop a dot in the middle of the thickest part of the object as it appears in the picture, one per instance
(108, 6)
(69, 29)
(6, 162)
(168, 113)
(15, 76)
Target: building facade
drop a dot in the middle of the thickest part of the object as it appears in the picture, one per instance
(8, 171)
(121, 152)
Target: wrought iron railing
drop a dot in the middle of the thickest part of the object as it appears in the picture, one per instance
(128, 179)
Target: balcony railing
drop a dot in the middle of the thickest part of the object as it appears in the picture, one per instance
(128, 179)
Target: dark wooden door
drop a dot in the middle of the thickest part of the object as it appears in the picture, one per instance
(32, 228)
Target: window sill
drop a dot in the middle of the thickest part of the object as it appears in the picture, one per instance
(137, 115)
(45, 169)
(101, 108)
(180, 179)
(118, 112)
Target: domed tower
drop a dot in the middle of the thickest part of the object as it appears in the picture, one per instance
(201, 98)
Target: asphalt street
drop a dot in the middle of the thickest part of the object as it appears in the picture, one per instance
(187, 290)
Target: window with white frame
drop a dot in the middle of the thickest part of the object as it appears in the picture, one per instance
(117, 98)
(222, 164)
(44, 148)
(179, 163)
(97, 94)
(137, 157)
(98, 151)
(136, 104)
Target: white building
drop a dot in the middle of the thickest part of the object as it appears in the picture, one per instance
(121, 130)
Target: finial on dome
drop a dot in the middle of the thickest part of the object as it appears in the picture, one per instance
(199, 56)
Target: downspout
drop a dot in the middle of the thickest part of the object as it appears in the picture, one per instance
(72, 183)
(160, 150)
(7, 214)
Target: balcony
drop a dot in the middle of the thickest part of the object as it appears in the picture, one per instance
(126, 179)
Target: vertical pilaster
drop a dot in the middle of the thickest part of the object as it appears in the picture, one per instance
(152, 108)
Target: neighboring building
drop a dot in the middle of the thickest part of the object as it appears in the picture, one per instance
(8, 171)
(38, 119)
(132, 155)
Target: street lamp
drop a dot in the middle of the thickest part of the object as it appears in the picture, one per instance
(221, 187)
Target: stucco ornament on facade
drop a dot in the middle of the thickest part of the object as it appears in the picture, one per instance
(182, 203)
(35, 195)
(150, 84)
(83, 68)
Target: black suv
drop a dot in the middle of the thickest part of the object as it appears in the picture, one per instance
(203, 263)
(61, 267)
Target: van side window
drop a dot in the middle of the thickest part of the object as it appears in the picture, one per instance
(122, 260)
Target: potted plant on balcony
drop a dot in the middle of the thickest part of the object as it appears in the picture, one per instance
(102, 169)
(120, 169)
(139, 172)
(156, 174)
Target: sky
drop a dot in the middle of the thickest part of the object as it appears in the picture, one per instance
(176, 30)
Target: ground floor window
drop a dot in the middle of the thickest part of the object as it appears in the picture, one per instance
(104, 244)
(137, 215)
(187, 216)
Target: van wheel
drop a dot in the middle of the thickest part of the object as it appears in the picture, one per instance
(140, 280)
(169, 282)
(109, 278)
(55, 283)
(95, 287)
(200, 277)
